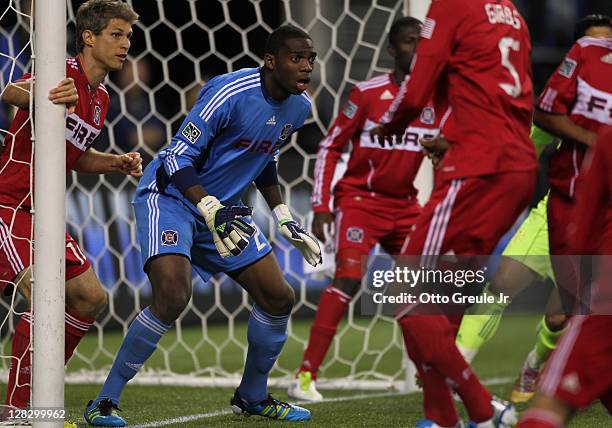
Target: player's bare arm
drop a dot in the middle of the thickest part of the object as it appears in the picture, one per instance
(563, 127)
(322, 221)
(18, 94)
(95, 162)
(434, 148)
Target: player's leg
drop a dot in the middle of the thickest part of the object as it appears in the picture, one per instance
(524, 260)
(357, 231)
(79, 315)
(85, 299)
(548, 332)
(466, 217)
(266, 334)
(576, 375)
(165, 232)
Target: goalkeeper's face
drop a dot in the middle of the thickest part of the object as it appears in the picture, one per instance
(110, 47)
(293, 65)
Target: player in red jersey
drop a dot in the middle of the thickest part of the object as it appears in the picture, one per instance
(578, 372)
(476, 53)
(575, 103)
(104, 28)
(375, 200)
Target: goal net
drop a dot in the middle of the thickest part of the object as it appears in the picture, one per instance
(177, 46)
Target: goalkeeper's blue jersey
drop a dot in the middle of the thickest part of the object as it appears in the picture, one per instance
(229, 136)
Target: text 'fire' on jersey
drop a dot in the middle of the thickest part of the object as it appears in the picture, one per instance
(373, 171)
(231, 134)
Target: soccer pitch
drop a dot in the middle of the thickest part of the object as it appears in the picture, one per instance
(153, 406)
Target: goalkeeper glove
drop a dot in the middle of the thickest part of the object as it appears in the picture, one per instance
(297, 236)
(229, 232)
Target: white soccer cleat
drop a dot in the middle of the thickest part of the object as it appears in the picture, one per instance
(504, 416)
(303, 388)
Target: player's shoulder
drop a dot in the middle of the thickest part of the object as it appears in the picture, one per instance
(235, 81)
(303, 100)
(72, 63)
(374, 84)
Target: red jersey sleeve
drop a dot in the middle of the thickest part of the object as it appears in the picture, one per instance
(560, 91)
(593, 198)
(433, 51)
(348, 122)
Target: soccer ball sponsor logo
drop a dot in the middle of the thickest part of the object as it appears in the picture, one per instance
(350, 108)
(567, 67)
(191, 132)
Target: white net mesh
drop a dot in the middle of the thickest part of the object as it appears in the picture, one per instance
(177, 46)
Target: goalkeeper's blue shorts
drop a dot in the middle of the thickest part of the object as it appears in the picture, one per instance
(165, 225)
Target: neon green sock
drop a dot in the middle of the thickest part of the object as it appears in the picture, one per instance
(478, 325)
(546, 341)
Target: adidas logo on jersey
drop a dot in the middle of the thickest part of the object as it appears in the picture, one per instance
(387, 95)
(607, 58)
(271, 121)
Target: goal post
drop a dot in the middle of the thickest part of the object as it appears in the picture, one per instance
(48, 291)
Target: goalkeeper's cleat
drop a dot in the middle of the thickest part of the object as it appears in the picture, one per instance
(103, 413)
(504, 416)
(269, 408)
(428, 423)
(525, 386)
(303, 387)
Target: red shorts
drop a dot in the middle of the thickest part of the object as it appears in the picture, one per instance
(578, 372)
(559, 212)
(360, 224)
(15, 232)
(469, 216)
(566, 268)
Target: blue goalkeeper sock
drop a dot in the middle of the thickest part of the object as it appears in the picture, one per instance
(266, 335)
(138, 345)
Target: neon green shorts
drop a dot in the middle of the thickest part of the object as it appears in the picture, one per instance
(529, 245)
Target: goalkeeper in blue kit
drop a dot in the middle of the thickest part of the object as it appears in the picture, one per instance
(189, 215)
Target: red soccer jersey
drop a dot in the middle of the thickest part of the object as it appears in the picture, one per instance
(590, 231)
(477, 53)
(581, 88)
(82, 127)
(372, 171)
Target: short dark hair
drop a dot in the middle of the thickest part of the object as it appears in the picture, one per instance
(595, 20)
(404, 21)
(277, 38)
(94, 15)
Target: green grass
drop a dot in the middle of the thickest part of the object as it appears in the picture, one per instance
(501, 358)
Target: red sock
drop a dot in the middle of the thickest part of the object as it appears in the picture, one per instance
(331, 309)
(76, 327)
(540, 418)
(433, 336)
(18, 393)
(18, 387)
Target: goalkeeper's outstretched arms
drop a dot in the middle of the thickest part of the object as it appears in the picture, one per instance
(267, 184)
(230, 233)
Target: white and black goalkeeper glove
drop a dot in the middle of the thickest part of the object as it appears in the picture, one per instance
(296, 235)
(230, 233)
